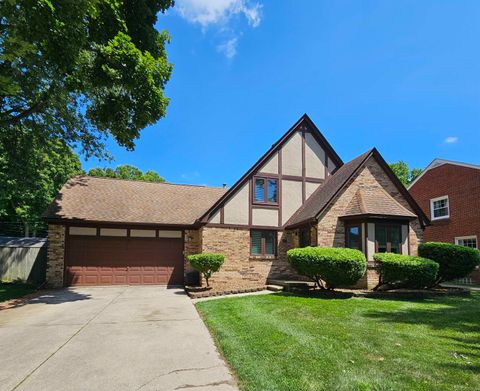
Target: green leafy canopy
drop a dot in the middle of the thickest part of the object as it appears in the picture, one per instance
(80, 70)
(126, 171)
(32, 171)
(405, 174)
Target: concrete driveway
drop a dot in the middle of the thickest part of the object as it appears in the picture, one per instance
(109, 338)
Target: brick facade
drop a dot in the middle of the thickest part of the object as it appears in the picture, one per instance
(462, 186)
(55, 255)
(241, 270)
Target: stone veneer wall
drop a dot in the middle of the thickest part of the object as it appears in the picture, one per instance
(55, 255)
(241, 270)
(331, 230)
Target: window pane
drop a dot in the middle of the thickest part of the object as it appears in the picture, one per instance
(468, 242)
(440, 208)
(256, 242)
(395, 239)
(260, 189)
(381, 237)
(272, 190)
(269, 242)
(353, 237)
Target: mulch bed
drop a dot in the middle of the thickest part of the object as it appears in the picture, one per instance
(19, 301)
(200, 292)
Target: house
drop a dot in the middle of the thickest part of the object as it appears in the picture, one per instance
(449, 193)
(299, 193)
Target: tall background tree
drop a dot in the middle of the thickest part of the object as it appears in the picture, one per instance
(127, 171)
(404, 173)
(31, 173)
(72, 73)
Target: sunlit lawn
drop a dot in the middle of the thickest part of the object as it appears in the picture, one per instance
(286, 342)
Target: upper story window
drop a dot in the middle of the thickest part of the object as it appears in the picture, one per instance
(467, 241)
(265, 190)
(439, 208)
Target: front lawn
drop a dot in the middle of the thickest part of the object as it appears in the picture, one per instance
(15, 290)
(286, 342)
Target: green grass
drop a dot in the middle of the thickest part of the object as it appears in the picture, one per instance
(13, 290)
(287, 342)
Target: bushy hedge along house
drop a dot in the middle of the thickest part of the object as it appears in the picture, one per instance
(299, 193)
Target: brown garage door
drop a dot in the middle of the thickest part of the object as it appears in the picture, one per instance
(120, 261)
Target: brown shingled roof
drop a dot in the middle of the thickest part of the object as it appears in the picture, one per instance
(375, 202)
(125, 201)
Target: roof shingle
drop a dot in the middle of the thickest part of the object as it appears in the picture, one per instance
(125, 201)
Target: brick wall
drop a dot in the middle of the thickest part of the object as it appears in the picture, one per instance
(241, 270)
(192, 245)
(55, 255)
(462, 185)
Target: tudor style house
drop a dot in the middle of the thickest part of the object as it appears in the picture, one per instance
(299, 193)
(449, 193)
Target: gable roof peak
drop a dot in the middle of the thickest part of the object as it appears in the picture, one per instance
(273, 149)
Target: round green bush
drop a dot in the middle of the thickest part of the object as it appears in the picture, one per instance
(404, 271)
(455, 261)
(335, 266)
(206, 263)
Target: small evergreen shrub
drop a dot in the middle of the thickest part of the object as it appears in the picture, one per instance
(404, 271)
(207, 263)
(334, 266)
(455, 261)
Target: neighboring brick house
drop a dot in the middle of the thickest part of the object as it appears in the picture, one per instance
(299, 193)
(449, 193)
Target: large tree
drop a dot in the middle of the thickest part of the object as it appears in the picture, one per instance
(32, 170)
(404, 173)
(80, 70)
(127, 171)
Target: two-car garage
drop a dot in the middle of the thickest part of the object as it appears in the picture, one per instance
(105, 231)
(123, 256)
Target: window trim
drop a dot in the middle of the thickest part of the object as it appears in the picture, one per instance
(457, 238)
(432, 200)
(266, 178)
(263, 246)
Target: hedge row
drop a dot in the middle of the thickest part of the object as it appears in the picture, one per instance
(455, 261)
(404, 271)
(334, 266)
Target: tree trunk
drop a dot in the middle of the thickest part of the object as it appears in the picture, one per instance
(26, 227)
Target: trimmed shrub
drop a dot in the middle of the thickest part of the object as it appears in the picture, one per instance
(405, 271)
(455, 261)
(207, 263)
(335, 266)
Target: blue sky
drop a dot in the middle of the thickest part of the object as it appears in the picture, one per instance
(403, 76)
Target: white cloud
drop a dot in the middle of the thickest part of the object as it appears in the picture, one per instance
(228, 48)
(210, 12)
(450, 140)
